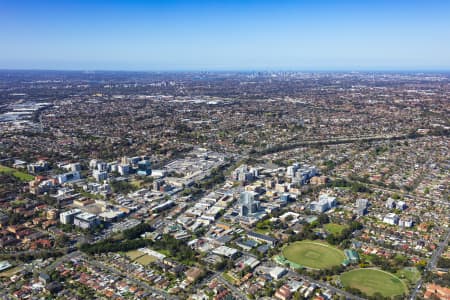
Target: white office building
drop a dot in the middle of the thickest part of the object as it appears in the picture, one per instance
(324, 203)
(391, 219)
(70, 176)
(67, 217)
(86, 220)
(123, 169)
(100, 175)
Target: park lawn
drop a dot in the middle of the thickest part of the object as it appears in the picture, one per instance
(313, 255)
(334, 228)
(18, 174)
(371, 281)
(133, 254)
(412, 275)
(145, 259)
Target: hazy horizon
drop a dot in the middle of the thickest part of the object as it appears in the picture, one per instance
(447, 70)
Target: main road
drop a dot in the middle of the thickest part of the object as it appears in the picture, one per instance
(432, 263)
(140, 283)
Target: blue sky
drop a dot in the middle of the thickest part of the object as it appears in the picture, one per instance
(224, 35)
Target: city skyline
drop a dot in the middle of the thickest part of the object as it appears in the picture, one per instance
(232, 35)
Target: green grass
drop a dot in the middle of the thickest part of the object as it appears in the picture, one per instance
(371, 281)
(133, 254)
(334, 228)
(263, 227)
(412, 275)
(229, 278)
(140, 257)
(262, 230)
(146, 259)
(313, 255)
(137, 184)
(18, 174)
(165, 252)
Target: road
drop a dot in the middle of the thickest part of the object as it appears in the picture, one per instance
(74, 254)
(62, 259)
(231, 287)
(98, 264)
(431, 263)
(438, 252)
(142, 284)
(219, 277)
(52, 266)
(213, 274)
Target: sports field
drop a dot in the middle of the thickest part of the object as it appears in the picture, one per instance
(313, 255)
(18, 174)
(371, 281)
(140, 257)
(146, 259)
(134, 254)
